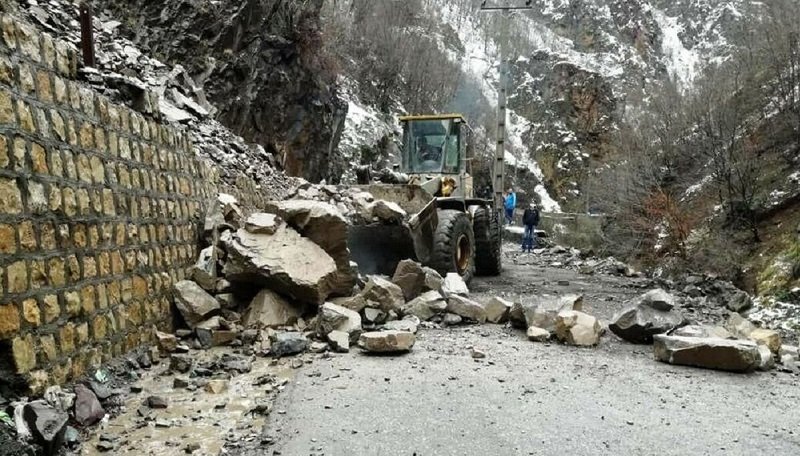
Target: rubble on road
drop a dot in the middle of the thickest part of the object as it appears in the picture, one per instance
(709, 353)
(337, 318)
(542, 311)
(287, 344)
(646, 316)
(387, 341)
(415, 279)
(497, 310)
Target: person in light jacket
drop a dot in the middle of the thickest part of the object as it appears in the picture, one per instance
(530, 218)
(510, 205)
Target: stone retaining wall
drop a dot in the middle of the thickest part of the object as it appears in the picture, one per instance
(99, 214)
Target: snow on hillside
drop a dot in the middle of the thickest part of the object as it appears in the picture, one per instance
(682, 63)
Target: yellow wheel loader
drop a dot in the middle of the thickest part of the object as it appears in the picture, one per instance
(449, 228)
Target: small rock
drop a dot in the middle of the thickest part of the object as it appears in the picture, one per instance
(426, 306)
(497, 310)
(167, 343)
(88, 410)
(216, 386)
(178, 382)
(454, 285)
(157, 402)
(465, 308)
(339, 341)
(578, 328)
(194, 303)
(387, 341)
(477, 353)
(287, 344)
(768, 337)
(180, 363)
(536, 334)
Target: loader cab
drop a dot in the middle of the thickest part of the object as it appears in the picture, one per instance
(434, 144)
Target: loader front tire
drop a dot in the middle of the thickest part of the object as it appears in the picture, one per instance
(454, 245)
(488, 242)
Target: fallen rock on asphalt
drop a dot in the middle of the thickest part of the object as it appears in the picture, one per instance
(339, 341)
(386, 341)
(709, 353)
(337, 318)
(497, 310)
(466, 308)
(287, 344)
(88, 410)
(538, 334)
(426, 306)
(380, 293)
(284, 262)
(270, 310)
(405, 324)
(454, 285)
(651, 314)
(194, 303)
(578, 328)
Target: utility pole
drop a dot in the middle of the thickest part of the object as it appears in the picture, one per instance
(502, 97)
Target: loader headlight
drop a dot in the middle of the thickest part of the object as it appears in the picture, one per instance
(448, 185)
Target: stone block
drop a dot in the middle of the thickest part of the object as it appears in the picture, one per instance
(66, 338)
(7, 108)
(9, 320)
(24, 354)
(8, 239)
(31, 313)
(44, 88)
(17, 274)
(10, 197)
(51, 308)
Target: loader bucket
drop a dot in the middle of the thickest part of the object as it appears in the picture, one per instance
(377, 248)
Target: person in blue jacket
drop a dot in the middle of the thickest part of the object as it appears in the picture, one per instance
(510, 205)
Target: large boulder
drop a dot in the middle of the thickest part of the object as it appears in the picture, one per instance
(387, 212)
(426, 306)
(577, 328)
(709, 353)
(194, 303)
(382, 294)
(649, 315)
(497, 310)
(387, 341)
(269, 310)
(327, 227)
(285, 262)
(466, 308)
(337, 318)
(261, 223)
(454, 285)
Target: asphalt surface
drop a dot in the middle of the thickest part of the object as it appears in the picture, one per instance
(526, 398)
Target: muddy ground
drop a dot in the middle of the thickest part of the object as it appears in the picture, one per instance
(524, 398)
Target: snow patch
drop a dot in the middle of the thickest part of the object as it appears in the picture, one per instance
(683, 64)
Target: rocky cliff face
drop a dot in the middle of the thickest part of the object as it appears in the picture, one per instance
(258, 63)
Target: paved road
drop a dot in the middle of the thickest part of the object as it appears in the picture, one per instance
(533, 399)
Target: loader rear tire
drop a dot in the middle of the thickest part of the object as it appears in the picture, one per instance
(454, 245)
(488, 242)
